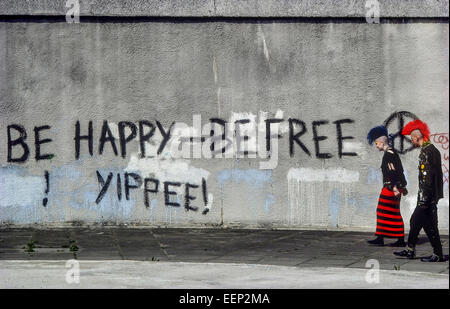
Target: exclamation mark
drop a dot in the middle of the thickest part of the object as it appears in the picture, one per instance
(207, 198)
(47, 182)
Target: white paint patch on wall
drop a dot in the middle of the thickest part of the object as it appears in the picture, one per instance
(249, 129)
(174, 170)
(320, 175)
(255, 129)
(178, 170)
(262, 38)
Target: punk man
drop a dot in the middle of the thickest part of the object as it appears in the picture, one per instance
(389, 220)
(430, 191)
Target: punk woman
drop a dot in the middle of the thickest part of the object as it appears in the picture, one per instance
(389, 220)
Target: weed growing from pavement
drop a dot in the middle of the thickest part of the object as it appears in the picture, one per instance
(73, 246)
(30, 246)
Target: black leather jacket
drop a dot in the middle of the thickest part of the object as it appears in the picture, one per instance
(392, 169)
(431, 187)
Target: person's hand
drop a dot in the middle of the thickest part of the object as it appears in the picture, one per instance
(396, 192)
(405, 191)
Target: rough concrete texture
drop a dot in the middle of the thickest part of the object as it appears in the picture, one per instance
(172, 275)
(227, 8)
(56, 74)
(266, 247)
(211, 258)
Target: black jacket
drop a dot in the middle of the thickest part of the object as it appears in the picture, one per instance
(392, 169)
(431, 186)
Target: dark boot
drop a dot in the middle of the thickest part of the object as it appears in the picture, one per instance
(399, 243)
(379, 241)
(433, 258)
(409, 253)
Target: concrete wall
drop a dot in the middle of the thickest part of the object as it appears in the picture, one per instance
(317, 72)
(229, 8)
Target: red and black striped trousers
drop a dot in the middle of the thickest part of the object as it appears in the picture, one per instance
(389, 220)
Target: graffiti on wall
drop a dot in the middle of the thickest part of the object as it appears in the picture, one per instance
(156, 157)
(402, 144)
(441, 141)
(238, 140)
(395, 123)
(155, 153)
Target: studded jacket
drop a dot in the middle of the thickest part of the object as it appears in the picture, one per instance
(430, 175)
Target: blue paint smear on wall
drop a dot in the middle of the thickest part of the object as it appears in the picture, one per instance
(253, 177)
(364, 203)
(153, 205)
(334, 203)
(270, 200)
(374, 176)
(171, 212)
(62, 188)
(18, 188)
(110, 208)
(20, 195)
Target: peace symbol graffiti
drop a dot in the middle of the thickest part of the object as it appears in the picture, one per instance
(397, 121)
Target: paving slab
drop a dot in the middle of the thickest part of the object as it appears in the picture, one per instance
(273, 247)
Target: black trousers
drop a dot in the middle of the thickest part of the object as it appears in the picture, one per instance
(427, 219)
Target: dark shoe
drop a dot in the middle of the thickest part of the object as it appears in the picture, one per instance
(433, 258)
(398, 243)
(408, 253)
(379, 241)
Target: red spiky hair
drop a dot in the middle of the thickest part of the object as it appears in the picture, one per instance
(417, 125)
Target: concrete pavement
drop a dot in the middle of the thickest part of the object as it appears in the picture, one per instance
(209, 258)
(180, 275)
